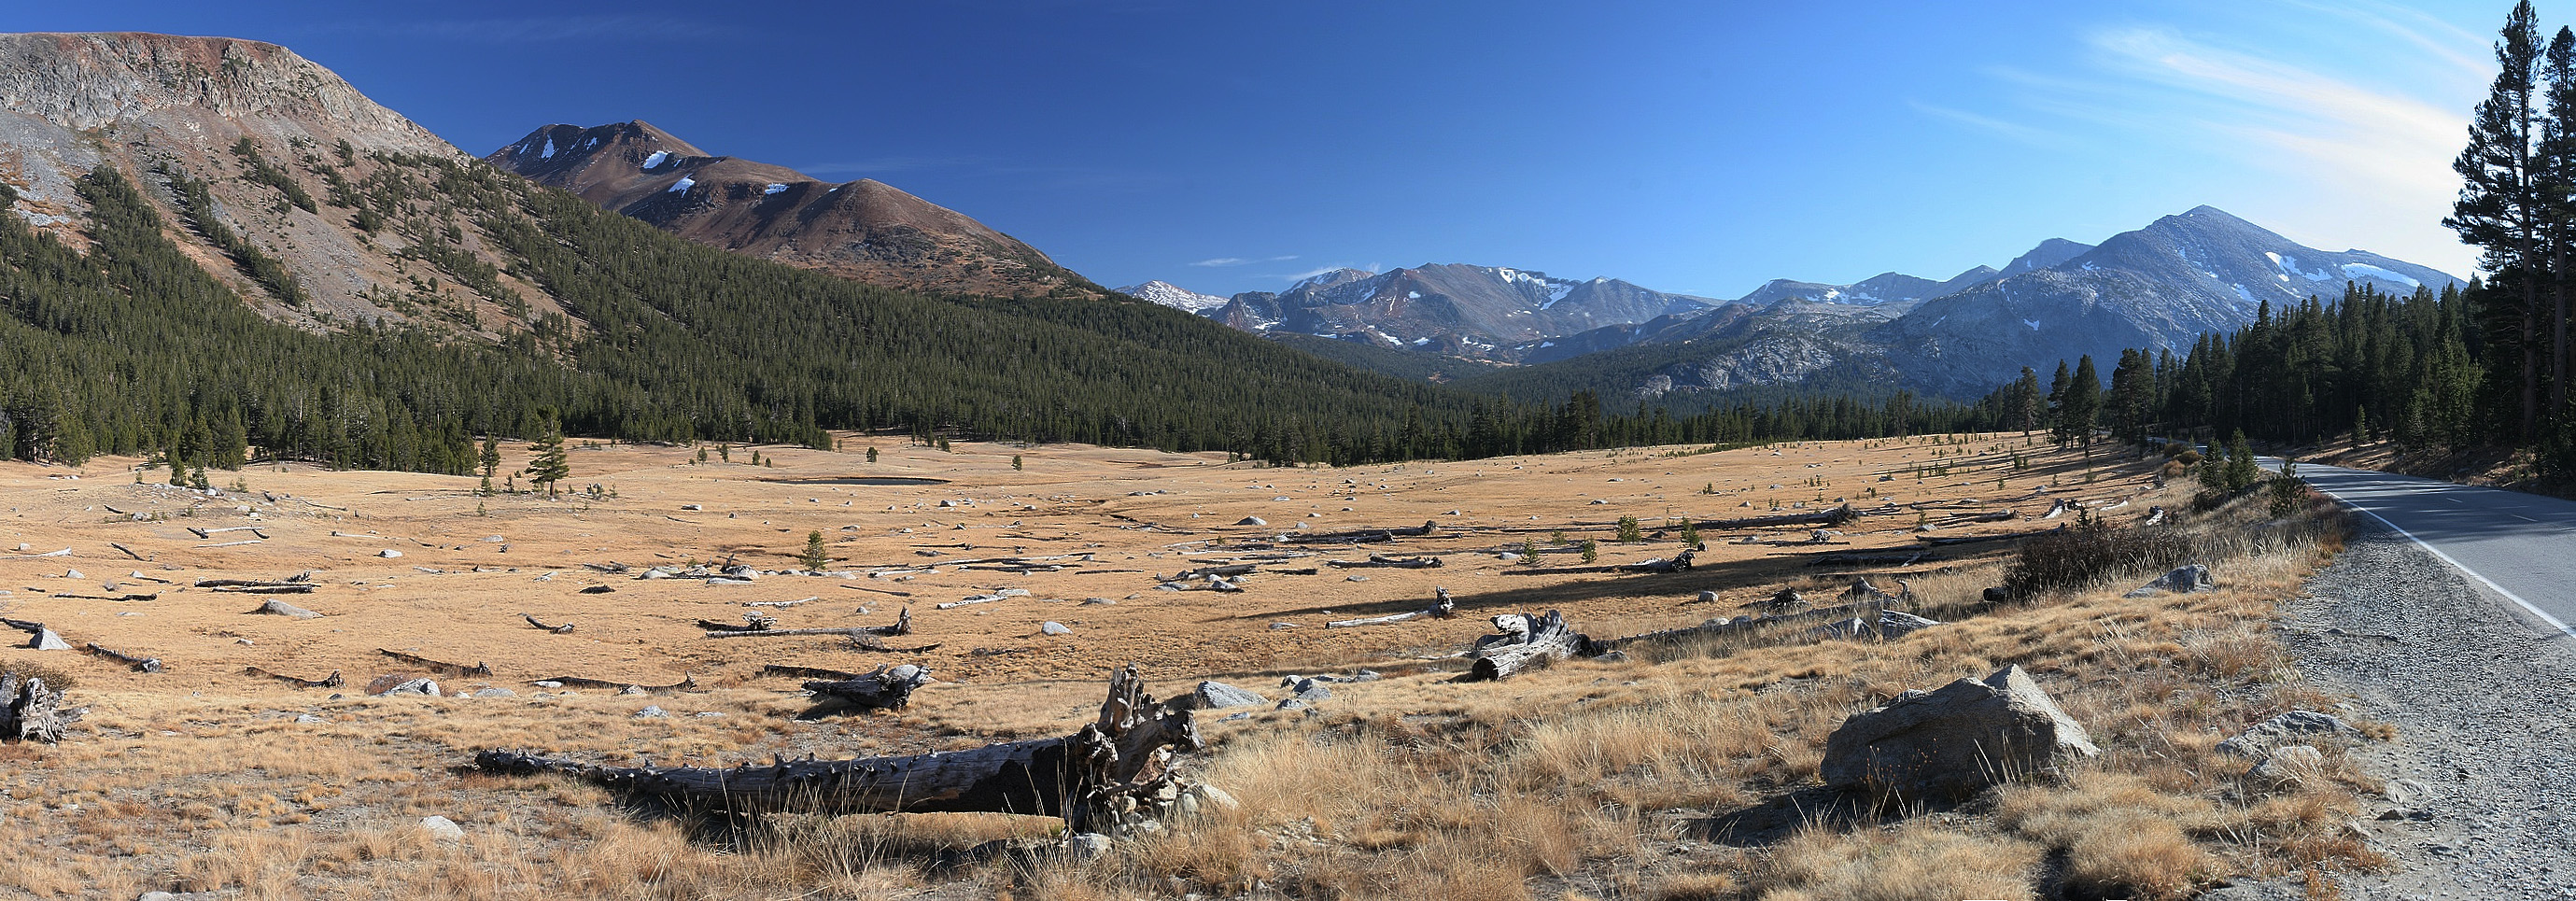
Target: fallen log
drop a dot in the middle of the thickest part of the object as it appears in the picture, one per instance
(793, 603)
(1381, 561)
(31, 711)
(564, 629)
(1746, 624)
(1526, 642)
(1360, 536)
(1981, 539)
(1087, 778)
(686, 683)
(738, 632)
(1679, 563)
(2155, 517)
(754, 621)
(39, 638)
(330, 681)
(1858, 559)
(886, 688)
(103, 597)
(140, 664)
(1971, 518)
(1833, 517)
(900, 594)
(128, 552)
(875, 645)
(436, 666)
(1444, 608)
(1236, 569)
(806, 672)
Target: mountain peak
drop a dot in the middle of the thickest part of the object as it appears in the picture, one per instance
(217, 87)
(864, 229)
(1174, 296)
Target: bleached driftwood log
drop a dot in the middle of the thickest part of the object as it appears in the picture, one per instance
(437, 666)
(1831, 517)
(139, 664)
(887, 688)
(1526, 642)
(330, 681)
(1443, 608)
(559, 630)
(1089, 778)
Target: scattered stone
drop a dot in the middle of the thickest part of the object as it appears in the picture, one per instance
(652, 712)
(309, 719)
(442, 829)
(1052, 627)
(1954, 741)
(2182, 580)
(637, 690)
(1282, 626)
(2257, 742)
(1252, 521)
(1308, 692)
(1098, 602)
(282, 608)
(496, 693)
(419, 686)
(389, 553)
(549, 683)
(1708, 597)
(1086, 846)
(73, 574)
(1356, 579)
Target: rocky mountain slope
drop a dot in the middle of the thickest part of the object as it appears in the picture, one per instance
(1477, 312)
(214, 245)
(2161, 286)
(266, 132)
(865, 229)
(1174, 296)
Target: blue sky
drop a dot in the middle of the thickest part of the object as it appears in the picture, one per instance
(1695, 147)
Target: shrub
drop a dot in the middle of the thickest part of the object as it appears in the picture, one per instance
(2086, 552)
(1630, 530)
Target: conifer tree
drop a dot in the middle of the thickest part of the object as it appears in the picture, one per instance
(2084, 401)
(2500, 207)
(549, 465)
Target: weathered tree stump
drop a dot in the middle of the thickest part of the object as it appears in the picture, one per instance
(30, 711)
(1092, 778)
(885, 688)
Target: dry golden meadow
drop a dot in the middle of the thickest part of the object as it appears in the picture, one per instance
(1688, 774)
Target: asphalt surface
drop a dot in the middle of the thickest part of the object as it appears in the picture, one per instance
(2521, 546)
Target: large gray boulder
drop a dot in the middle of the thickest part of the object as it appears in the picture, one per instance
(1955, 741)
(1213, 695)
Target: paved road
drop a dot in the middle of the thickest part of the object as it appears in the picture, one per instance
(2522, 546)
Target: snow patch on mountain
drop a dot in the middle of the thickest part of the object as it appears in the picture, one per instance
(2365, 270)
(683, 185)
(656, 159)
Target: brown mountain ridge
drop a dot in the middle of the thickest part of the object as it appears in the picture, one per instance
(865, 230)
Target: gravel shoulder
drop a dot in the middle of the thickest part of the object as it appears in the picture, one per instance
(2482, 774)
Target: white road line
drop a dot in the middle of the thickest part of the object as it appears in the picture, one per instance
(2455, 564)
(2522, 517)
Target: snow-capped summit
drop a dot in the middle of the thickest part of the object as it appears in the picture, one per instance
(1174, 296)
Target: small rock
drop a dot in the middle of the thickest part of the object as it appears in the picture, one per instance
(442, 829)
(2258, 741)
(1708, 597)
(652, 712)
(637, 690)
(422, 686)
(1098, 602)
(2182, 580)
(1252, 521)
(389, 553)
(73, 574)
(1052, 627)
(496, 693)
(1086, 846)
(1282, 627)
(550, 683)
(1356, 579)
(309, 719)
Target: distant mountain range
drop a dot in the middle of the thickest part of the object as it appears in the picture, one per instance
(865, 229)
(2159, 286)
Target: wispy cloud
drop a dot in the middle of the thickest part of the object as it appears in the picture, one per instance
(545, 29)
(2013, 131)
(2312, 121)
(1242, 261)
